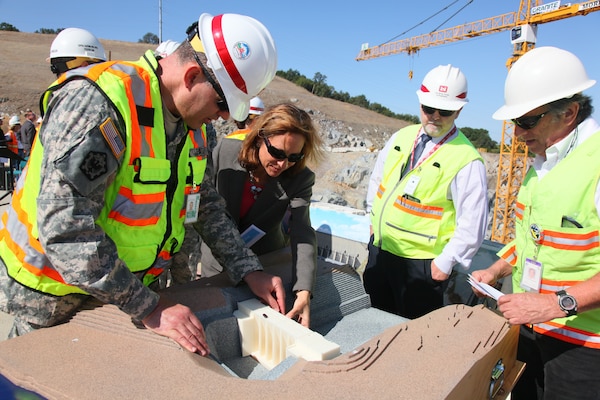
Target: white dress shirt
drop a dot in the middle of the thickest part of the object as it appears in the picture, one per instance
(468, 192)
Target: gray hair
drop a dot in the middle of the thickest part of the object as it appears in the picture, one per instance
(585, 106)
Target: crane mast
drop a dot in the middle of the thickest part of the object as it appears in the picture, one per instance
(512, 164)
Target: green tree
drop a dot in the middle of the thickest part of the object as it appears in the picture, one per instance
(291, 75)
(5, 26)
(480, 138)
(49, 31)
(150, 38)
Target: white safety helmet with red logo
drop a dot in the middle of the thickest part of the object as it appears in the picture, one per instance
(541, 76)
(257, 107)
(444, 88)
(241, 53)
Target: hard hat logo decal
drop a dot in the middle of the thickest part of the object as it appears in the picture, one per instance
(443, 89)
(241, 50)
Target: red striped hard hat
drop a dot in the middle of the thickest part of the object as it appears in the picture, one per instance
(242, 54)
(444, 88)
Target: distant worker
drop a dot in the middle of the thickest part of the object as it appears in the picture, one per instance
(28, 132)
(11, 143)
(101, 206)
(555, 256)
(428, 200)
(263, 176)
(73, 48)
(14, 124)
(257, 107)
(166, 48)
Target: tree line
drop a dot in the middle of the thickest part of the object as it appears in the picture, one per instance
(319, 87)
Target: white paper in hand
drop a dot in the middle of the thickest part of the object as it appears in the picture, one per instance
(485, 288)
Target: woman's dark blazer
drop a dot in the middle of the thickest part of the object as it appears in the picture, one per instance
(280, 195)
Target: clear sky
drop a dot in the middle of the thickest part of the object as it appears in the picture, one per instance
(326, 36)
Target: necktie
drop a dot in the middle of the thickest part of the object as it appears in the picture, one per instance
(419, 149)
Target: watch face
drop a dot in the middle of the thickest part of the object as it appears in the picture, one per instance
(567, 302)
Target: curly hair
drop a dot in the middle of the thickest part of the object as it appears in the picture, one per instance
(281, 119)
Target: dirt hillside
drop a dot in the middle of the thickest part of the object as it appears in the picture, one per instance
(25, 74)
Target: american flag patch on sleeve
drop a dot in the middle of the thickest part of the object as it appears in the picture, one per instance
(113, 138)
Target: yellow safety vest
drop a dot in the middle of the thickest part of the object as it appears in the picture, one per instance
(420, 225)
(145, 205)
(240, 134)
(543, 232)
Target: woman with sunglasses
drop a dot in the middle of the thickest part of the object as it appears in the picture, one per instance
(263, 176)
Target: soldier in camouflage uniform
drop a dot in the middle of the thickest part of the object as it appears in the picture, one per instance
(77, 162)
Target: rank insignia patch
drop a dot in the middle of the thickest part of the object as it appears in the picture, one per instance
(94, 165)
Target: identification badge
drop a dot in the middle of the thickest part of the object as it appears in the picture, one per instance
(252, 235)
(412, 184)
(532, 276)
(192, 207)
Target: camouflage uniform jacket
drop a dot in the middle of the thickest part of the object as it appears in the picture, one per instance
(78, 247)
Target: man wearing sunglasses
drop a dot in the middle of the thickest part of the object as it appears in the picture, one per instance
(428, 201)
(556, 230)
(117, 173)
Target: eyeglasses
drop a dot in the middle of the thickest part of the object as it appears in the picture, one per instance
(430, 111)
(280, 154)
(222, 104)
(528, 122)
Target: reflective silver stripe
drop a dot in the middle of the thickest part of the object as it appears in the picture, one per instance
(402, 204)
(519, 210)
(138, 92)
(137, 211)
(570, 333)
(19, 235)
(571, 242)
(511, 258)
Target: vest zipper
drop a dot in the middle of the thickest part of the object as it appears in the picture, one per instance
(170, 192)
(407, 231)
(387, 195)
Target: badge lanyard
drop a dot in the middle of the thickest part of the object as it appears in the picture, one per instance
(531, 279)
(441, 142)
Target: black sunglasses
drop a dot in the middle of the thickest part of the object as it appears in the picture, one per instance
(528, 122)
(430, 110)
(222, 104)
(280, 154)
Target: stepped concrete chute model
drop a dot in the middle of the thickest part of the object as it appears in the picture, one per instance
(99, 354)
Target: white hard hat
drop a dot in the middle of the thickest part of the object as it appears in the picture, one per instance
(541, 76)
(444, 88)
(14, 120)
(241, 53)
(166, 48)
(76, 42)
(257, 107)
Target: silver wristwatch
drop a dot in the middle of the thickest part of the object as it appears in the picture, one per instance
(567, 303)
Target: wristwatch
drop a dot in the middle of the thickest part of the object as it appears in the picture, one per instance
(567, 303)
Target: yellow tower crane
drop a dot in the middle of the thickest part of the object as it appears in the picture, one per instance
(523, 26)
